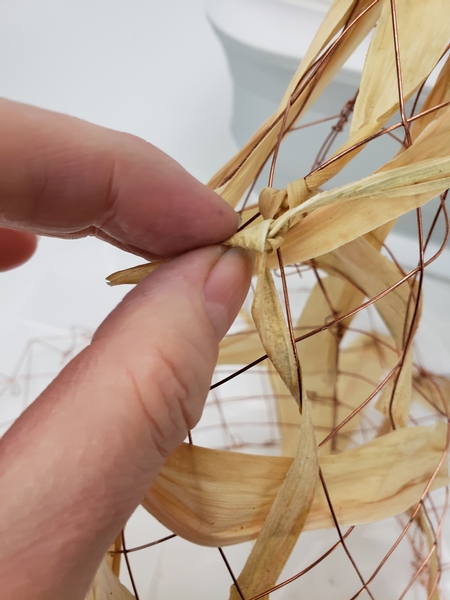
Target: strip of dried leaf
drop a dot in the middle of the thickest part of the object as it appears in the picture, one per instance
(288, 416)
(423, 35)
(134, 274)
(425, 176)
(106, 586)
(350, 261)
(439, 94)
(271, 326)
(397, 406)
(218, 498)
(422, 43)
(362, 366)
(433, 569)
(433, 391)
(113, 556)
(329, 227)
(286, 517)
(319, 353)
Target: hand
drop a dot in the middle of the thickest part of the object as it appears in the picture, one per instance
(75, 465)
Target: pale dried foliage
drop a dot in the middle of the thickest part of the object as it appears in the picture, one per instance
(217, 498)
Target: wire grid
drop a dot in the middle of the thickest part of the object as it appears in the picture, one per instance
(402, 558)
(408, 533)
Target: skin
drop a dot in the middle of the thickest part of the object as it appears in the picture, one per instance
(76, 464)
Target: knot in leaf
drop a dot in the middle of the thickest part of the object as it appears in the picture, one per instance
(262, 237)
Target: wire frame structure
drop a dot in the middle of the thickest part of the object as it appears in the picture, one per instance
(323, 448)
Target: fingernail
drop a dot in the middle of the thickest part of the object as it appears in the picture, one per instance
(226, 288)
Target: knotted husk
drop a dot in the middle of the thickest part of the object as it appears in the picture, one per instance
(219, 498)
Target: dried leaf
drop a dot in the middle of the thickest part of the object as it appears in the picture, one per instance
(433, 570)
(288, 416)
(425, 176)
(422, 41)
(329, 227)
(286, 517)
(362, 365)
(423, 35)
(270, 322)
(355, 209)
(439, 94)
(395, 402)
(218, 498)
(433, 391)
(318, 354)
(113, 556)
(134, 274)
(106, 586)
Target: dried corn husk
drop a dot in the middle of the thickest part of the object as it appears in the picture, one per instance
(286, 518)
(339, 216)
(351, 261)
(422, 36)
(218, 498)
(362, 366)
(439, 94)
(134, 274)
(319, 353)
(433, 391)
(433, 573)
(395, 399)
(106, 586)
(269, 320)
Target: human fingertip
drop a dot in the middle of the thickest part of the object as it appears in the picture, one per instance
(226, 288)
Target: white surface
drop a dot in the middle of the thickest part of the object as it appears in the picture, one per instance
(152, 68)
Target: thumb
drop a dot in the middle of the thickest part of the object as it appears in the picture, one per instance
(80, 459)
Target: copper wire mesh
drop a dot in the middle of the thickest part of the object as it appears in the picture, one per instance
(417, 533)
(242, 412)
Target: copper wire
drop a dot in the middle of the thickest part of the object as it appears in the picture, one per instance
(433, 515)
(304, 571)
(398, 66)
(127, 562)
(341, 537)
(230, 571)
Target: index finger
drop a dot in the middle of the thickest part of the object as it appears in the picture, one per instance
(65, 177)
